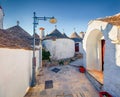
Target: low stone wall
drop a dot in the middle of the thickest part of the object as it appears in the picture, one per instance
(47, 63)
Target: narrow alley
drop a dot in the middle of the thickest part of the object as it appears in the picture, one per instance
(64, 81)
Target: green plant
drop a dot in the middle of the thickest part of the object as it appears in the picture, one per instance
(71, 60)
(45, 55)
(61, 62)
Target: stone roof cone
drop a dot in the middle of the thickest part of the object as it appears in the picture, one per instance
(65, 36)
(19, 32)
(74, 35)
(56, 34)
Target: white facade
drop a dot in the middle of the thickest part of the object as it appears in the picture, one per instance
(96, 32)
(60, 48)
(1, 18)
(15, 71)
(81, 47)
(81, 34)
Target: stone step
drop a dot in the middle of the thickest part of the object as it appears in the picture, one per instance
(95, 83)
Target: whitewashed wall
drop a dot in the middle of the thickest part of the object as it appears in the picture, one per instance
(112, 70)
(60, 48)
(81, 47)
(111, 61)
(15, 71)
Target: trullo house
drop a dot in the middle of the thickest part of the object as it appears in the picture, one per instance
(59, 45)
(102, 54)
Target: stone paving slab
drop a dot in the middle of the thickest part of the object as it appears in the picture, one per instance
(78, 62)
(68, 82)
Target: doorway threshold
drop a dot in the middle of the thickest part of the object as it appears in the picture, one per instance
(98, 75)
(96, 78)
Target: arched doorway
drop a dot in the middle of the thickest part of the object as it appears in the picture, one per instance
(95, 50)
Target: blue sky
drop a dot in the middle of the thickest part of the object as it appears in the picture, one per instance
(70, 14)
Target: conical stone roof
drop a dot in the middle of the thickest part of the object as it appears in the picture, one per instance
(55, 34)
(0, 7)
(74, 35)
(10, 40)
(17, 31)
(65, 36)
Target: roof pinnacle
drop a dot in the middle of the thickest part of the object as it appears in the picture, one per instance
(18, 23)
(74, 29)
(55, 26)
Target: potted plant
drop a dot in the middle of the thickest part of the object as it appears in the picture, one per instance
(45, 57)
(104, 94)
(81, 69)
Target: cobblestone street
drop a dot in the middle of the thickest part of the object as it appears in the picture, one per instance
(67, 82)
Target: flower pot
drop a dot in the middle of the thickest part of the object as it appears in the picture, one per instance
(82, 69)
(104, 94)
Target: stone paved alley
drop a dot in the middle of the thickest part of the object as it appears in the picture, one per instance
(68, 82)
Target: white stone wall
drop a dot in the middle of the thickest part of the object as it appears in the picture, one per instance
(111, 61)
(15, 71)
(117, 57)
(112, 71)
(81, 47)
(60, 48)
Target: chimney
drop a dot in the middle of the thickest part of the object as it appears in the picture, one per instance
(42, 33)
(81, 34)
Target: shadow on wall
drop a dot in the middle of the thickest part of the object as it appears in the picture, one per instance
(107, 29)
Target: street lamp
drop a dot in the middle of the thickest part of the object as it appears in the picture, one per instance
(35, 23)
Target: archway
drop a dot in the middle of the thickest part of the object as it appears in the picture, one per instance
(95, 49)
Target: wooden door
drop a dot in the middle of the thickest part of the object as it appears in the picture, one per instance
(76, 47)
(103, 52)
